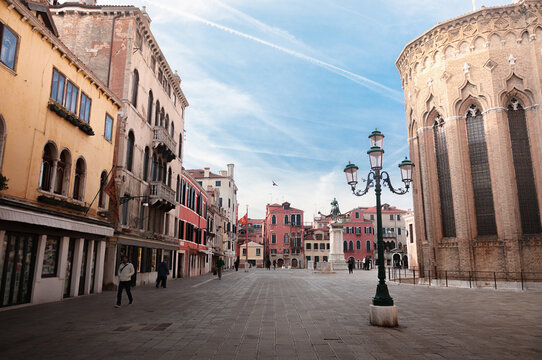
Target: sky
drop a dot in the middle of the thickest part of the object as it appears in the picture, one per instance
(289, 90)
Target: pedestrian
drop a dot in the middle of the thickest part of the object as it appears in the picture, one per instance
(163, 272)
(363, 262)
(126, 270)
(219, 265)
(236, 264)
(351, 265)
(274, 264)
(268, 264)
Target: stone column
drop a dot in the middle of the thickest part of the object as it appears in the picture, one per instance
(336, 253)
(76, 266)
(110, 262)
(99, 272)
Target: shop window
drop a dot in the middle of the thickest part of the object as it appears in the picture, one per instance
(50, 257)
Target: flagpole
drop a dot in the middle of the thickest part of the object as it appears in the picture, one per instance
(246, 243)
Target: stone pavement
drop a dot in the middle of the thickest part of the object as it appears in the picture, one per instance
(283, 314)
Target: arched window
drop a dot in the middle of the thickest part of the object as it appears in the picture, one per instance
(172, 130)
(368, 246)
(102, 195)
(162, 117)
(444, 182)
(62, 177)
(169, 177)
(350, 245)
(273, 220)
(285, 219)
(481, 178)
(358, 245)
(135, 86)
(178, 189)
(157, 113)
(47, 166)
(146, 163)
(286, 239)
(167, 122)
(392, 245)
(79, 179)
(130, 151)
(523, 166)
(154, 168)
(159, 170)
(180, 145)
(298, 219)
(149, 107)
(345, 246)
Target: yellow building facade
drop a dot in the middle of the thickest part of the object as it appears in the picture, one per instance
(255, 255)
(58, 124)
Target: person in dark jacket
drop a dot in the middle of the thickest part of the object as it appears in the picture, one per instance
(163, 272)
(236, 264)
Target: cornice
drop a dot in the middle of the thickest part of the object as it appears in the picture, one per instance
(56, 44)
(481, 23)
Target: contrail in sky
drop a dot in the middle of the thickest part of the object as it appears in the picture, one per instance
(362, 80)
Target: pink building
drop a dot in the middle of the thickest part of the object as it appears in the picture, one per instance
(194, 258)
(358, 236)
(283, 235)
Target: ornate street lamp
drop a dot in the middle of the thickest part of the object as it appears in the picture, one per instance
(375, 176)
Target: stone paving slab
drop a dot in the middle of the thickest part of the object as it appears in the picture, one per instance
(283, 314)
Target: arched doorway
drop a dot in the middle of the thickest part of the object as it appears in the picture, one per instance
(396, 260)
(294, 263)
(280, 262)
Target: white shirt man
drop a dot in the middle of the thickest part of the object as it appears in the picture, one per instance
(126, 270)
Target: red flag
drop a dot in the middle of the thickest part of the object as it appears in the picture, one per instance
(243, 221)
(111, 190)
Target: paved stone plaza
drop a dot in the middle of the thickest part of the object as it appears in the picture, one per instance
(285, 314)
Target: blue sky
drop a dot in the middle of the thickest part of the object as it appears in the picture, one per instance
(289, 90)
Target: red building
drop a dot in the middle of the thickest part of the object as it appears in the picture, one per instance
(283, 231)
(194, 256)
(358, 236)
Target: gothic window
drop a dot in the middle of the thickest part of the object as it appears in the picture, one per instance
(79, 179)
(180, 144)
(162, 116)
(102, 196)
(178, 189)
(358, 245)
(130, 151)
(157, 113)
(47, 166)
(169, 177)
(285, 219)
(345, 246)
(172, 129)
(146, 163)
(368, 246)
(350, 245)
(135, 85)
(62, 173)
(298, 219)
(273, 220)
(481, 179)
(149, 107)
(167, 122)
(154, 168)
(523, 165)
(444, 182)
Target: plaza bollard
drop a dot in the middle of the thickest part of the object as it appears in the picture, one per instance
(446, 275)
(470, 284)
(414, 276)
(521, 277)
(429, 277)
(495, 279)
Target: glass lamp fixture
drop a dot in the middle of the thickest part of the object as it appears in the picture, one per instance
(351, 172)
(375, 156)
(376, 138)
(406, 167)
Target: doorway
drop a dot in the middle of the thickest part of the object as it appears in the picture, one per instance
(69, 268)
(294, 263)
(16, 274)
(280, 262)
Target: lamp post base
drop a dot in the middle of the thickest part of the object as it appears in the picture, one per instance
(385, 316)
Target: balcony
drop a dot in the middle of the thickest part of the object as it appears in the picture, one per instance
(161, 196)
(164, 143)
(295, 244)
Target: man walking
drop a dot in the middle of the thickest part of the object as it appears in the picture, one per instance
(219, 264)
(163, 272)
(274, 264)
(126, 270)
(236, 264)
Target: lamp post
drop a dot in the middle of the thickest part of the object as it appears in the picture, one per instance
(375, 177)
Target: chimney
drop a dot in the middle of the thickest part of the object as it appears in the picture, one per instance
(206, 172)
(230, 170)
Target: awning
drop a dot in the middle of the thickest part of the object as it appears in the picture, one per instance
(208, 252)
(149, 243)
(31, 217)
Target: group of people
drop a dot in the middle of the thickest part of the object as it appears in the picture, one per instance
(127, 270)
(268, 264)
(366, 264)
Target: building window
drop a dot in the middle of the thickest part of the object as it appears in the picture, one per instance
(244, 251)
(358, 230)
(146, 157)
(79, 179)
(368, 246)
(84, 108)
(157, 113)
(480, 174)
(273, 251)
(286, 217)
(357, 215)
(322, 246)
(178, 189)
(350, 245)
(108, 129)
(62, 177)
(50, 257)
(372, 217)
(391, 216)
(258, 252)
(317, 259)
(308, 245)
(149, 107)
(130, 151)
(358, 245)
(71, 97)
(172, 129)
(523, 166)
(57, 87)
(135, 86)
(180, 144)
(273, 220)
(8, 50)
(444, 181)
(398, 231)
(102, 195)
(273, 239)
(411, 234)
(141, 215)
(308, 258)
(47, 166)
(169, 177)
(286, 239)
(398, 217)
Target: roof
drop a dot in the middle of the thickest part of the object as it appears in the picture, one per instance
(200, 174)
(390, 210)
